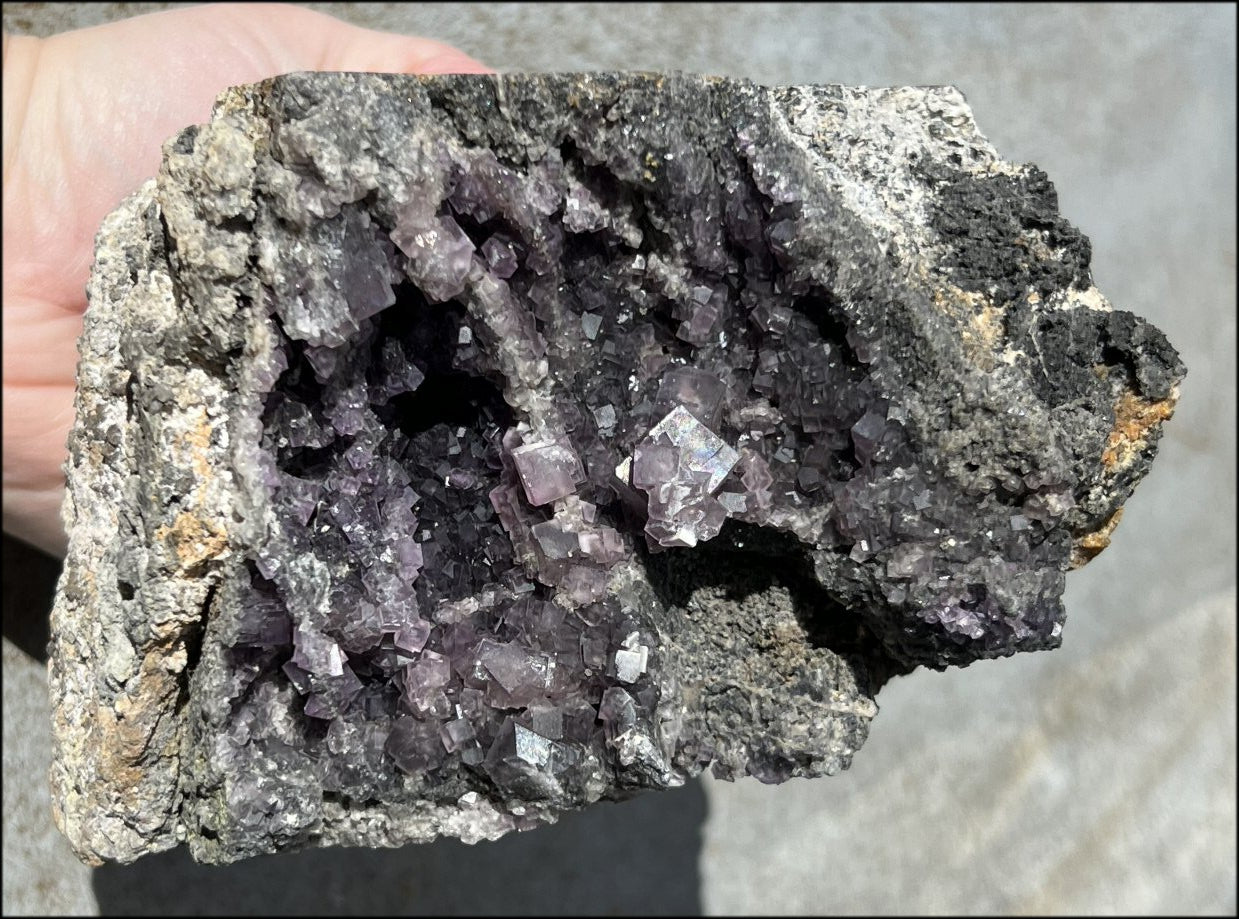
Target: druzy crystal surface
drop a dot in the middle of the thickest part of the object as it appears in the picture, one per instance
(455, 451)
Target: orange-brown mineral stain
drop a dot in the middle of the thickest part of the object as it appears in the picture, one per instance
(1134, 420)
(194, 540)
(1090, 545)
(193, 537)
(981, 323)
(198, 440)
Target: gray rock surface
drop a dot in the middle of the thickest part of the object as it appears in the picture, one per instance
(826, 331)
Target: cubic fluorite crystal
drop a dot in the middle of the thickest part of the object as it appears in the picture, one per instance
(454, 451)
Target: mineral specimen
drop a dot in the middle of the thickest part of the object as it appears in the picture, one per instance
(454, 451)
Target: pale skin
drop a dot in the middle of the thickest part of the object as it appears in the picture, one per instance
(85, 115)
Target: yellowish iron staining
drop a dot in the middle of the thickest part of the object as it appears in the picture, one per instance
(981, 322)
(193, 540)
(198, 440)
(126, 728)
(1090, 545)
(1134, 420)
(193, 537)
(986, 325)
(651, 163)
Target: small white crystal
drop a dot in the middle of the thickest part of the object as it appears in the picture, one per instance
(629, 665)
(532, 748)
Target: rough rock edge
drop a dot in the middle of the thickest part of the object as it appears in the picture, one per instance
(123, 639)
(139, 587)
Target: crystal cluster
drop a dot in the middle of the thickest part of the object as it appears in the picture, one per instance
(680, 465)
(582, 434)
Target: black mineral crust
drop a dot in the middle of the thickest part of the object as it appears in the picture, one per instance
(455, 451)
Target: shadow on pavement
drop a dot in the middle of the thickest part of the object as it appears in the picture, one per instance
(635, 858)
(29, 584)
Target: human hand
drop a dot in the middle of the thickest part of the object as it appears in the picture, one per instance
(85, 115)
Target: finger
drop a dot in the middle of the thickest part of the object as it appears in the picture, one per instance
(36, 425)
(382, 53)
(103, 100)
(34, 517)
(303, 39)
(38, 340)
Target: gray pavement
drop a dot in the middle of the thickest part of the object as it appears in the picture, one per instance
(1096, 779)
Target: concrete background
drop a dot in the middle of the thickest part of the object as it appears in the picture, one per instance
(1096, 779)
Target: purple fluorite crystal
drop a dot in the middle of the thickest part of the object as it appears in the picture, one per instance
(547, 471)
(568, 436)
